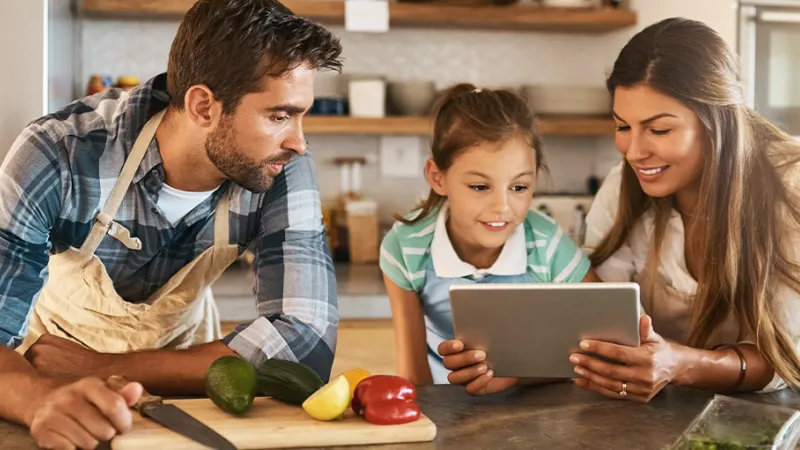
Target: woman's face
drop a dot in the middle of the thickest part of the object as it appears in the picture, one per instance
(661, 139)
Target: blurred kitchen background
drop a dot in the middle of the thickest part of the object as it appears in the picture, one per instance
(369, 130)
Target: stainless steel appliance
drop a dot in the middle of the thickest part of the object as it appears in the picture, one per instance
(769, 48)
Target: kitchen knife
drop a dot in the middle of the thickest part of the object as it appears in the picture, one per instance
(172, 417)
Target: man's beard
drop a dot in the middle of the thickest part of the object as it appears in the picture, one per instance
(230, 159)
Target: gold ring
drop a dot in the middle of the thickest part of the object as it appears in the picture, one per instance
(624, 390)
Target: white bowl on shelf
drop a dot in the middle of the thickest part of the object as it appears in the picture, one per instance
(567, 100)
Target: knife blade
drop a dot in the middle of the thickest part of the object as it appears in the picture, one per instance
(174, 418)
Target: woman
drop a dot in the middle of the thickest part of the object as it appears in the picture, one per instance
(704, 214)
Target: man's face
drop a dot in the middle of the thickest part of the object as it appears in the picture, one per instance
(251, 145)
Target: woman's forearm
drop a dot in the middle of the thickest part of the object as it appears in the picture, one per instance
(719, 370)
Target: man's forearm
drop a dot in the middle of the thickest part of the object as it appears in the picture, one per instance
(21, 385)
(718, 370)
(169, 372)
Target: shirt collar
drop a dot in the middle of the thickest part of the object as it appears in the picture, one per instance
(144, 101)
(513, 259)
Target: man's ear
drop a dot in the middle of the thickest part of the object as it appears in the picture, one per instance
(201, 106)
(435, 177)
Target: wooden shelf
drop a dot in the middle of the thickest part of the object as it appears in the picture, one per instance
(366, 125)
(150, 8)
(548, 125)
(402, 14)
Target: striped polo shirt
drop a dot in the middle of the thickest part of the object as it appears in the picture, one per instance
(421, 258)
(552, 257)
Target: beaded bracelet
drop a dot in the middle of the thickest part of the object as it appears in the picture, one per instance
(742, 364)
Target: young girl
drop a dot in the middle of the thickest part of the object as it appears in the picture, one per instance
(476, 226)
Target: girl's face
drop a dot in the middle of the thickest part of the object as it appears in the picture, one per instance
(489, 189)
(661, 139)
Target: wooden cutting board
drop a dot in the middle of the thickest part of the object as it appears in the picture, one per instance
(271, 424)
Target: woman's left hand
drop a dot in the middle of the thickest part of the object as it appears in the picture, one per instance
(646, 371)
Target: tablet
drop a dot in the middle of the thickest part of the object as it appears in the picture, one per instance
(530, 330)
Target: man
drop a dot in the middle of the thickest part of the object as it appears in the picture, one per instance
(119, 211)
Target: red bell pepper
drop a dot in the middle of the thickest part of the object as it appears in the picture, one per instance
(392, 412)
(386, 400)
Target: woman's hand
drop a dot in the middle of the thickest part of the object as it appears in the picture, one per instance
(647, 370)
(469, 370)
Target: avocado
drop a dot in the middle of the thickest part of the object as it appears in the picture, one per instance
(231, 383)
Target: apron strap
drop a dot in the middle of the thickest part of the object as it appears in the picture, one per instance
(109, 211)
(221, 218)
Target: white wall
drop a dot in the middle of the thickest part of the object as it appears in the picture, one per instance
(22, 80)
(488, 58)
(719, 14)
(62, 49)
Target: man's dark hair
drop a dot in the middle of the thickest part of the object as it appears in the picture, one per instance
(230, 45)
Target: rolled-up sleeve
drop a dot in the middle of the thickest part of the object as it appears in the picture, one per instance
(788, 310)
(30, 200)
(295, 281)
(599, 221)
(789, 307)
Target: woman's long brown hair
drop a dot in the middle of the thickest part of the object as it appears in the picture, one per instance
(466, 116)
(748, 203)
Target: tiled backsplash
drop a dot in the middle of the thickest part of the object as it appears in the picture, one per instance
(490, 58)
(570, 161)
(486, 58)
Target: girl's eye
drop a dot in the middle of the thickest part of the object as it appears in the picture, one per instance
(659, 132)
(623, 128)
(478, 187)
(519, 188)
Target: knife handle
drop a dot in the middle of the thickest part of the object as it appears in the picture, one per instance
(117, 382)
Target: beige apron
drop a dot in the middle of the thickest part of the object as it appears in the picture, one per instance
(79, 302)
(671, 311)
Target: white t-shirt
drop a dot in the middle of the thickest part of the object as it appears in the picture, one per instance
(176, 203)
(630, 259)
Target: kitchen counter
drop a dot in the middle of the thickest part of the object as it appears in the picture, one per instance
(559, 416)
(361, 293)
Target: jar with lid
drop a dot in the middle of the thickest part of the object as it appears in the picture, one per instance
(127, 82)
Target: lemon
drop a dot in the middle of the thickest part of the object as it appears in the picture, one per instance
(330, 401)
(354, 376)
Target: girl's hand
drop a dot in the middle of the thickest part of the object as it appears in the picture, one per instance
(469, 370)
(647, 370)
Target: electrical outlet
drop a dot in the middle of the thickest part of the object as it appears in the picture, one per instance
(400, 156)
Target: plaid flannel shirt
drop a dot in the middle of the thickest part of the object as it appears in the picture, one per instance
(62, 168)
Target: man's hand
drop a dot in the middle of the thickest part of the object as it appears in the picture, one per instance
(62, 358)
(82, 414)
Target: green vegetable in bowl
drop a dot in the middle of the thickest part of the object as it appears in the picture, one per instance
(760, 439)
